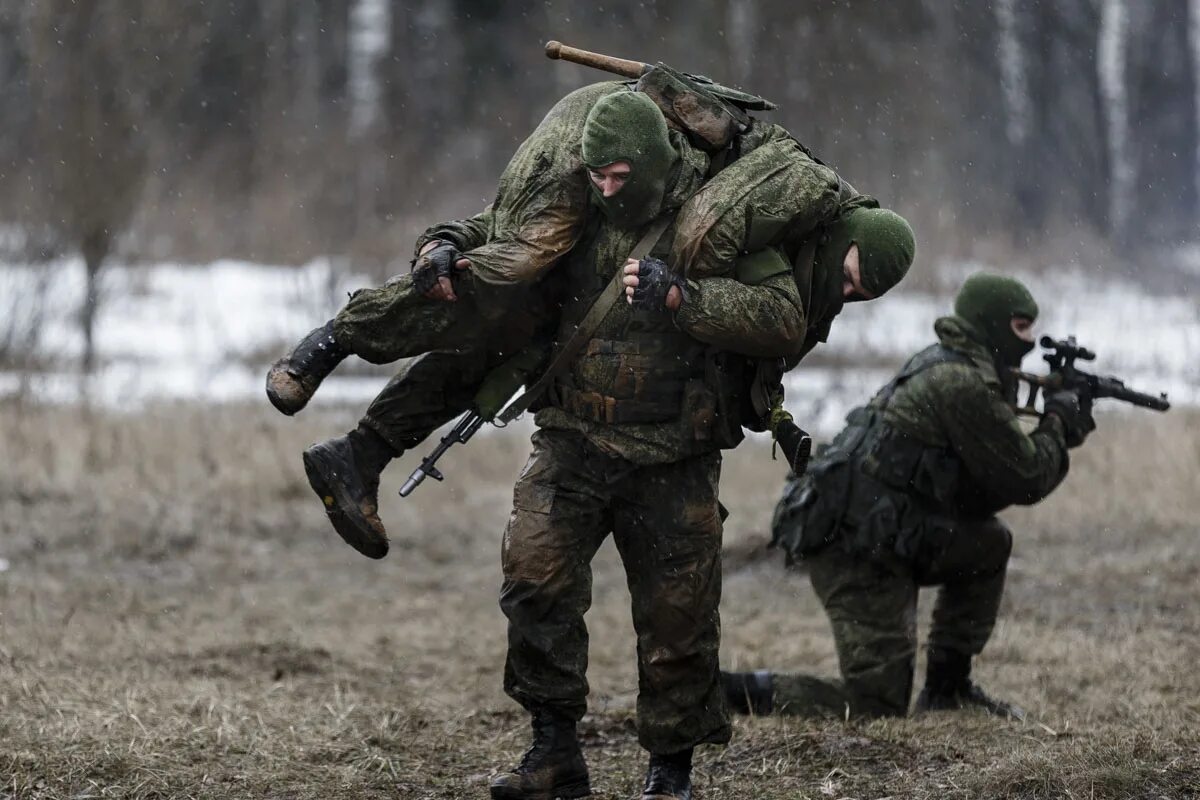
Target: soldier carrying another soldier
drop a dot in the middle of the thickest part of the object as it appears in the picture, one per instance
(631, 418)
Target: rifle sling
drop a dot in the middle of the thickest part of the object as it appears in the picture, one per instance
(588, 325)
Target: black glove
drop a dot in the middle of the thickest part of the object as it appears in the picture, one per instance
(1075, 411)
(655, 279)
(437, 263)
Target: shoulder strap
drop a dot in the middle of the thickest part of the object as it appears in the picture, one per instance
(587, 326)
(802, 271)
(929, 357)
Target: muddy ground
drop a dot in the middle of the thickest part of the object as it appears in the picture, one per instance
(177, 620)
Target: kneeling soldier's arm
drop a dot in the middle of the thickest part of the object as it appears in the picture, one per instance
(1016, 467)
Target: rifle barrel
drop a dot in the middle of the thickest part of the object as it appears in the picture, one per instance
(1108, 387)
(463, 430)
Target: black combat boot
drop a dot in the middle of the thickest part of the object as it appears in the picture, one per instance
(948, 686)
(669, 777)
(293, 379)
(749, 692)
(344, 472)
(552, 767)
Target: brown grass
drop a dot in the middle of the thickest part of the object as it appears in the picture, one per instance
(178, 621)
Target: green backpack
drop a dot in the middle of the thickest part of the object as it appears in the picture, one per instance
(811, 514)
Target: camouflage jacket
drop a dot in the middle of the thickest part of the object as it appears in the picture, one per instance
(774, 195)
(939, 442)
(541, 201)
(965, 408)
(758, 315)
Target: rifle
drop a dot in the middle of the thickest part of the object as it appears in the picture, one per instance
(635, 70)
(709, 113)
(468, 424)
(1062, 355)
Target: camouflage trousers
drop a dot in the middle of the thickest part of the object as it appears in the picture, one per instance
(392, 321)
(447, 350)
(425, 394)
(872, 608)
(666, 523)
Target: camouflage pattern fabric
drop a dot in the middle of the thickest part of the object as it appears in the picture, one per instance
(774, 194)
(542, 199)
(666, 523)
(726, 314)
(425, 394)
(965, 408)
(872, 608)
(955, 419)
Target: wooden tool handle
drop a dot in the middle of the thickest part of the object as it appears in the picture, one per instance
(617, 66)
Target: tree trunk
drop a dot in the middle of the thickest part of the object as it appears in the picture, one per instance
(94, 249)
(1111, 63)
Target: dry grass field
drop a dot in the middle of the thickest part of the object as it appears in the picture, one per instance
(177, 620)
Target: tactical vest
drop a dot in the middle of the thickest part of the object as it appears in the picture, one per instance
(640, 378)
(638, 368)
(858, 484)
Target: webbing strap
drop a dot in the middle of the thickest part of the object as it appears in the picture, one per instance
(597, 407)
(588, 325)
(929, 357)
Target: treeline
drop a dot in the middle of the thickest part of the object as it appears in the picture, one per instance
(283, 129)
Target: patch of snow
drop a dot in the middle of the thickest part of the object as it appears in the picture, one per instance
(207, 333)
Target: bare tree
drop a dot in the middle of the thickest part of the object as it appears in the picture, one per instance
(99, 74)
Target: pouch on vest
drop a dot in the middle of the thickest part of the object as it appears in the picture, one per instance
(699, 411)
(726, 376)
(809, 516)
(906, 465)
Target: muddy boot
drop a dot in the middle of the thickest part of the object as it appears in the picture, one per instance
(948, 687)
(344, 472)
(552, 767)
(669, 777)
(293, 379)
(749, 692)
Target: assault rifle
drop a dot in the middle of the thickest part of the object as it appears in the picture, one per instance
(467, 426)
(1061, 357)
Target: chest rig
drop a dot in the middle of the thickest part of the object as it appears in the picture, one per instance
(637, 365)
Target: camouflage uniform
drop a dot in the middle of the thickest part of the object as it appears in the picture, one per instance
(773, 196)
(621, 449)
(905, 497)
(740, 212)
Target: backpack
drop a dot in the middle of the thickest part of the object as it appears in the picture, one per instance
(812, 513)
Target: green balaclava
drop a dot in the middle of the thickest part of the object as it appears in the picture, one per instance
(886, 247)
(627, 126)
(988, 303)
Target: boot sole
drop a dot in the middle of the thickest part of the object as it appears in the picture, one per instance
(565, 791)
(358, 534)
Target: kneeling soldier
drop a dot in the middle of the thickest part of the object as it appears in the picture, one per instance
(906, 496)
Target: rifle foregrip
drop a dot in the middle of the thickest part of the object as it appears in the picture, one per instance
(618, 66)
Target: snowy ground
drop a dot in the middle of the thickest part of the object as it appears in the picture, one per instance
(208, 332)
